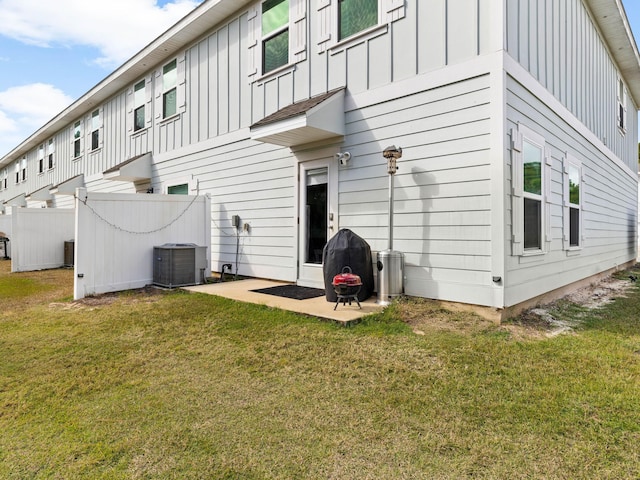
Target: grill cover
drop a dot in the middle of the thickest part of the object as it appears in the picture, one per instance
(347, 249)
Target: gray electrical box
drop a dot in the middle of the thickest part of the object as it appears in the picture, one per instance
(179, 264)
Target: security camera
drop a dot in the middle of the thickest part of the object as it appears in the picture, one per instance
(343, 158)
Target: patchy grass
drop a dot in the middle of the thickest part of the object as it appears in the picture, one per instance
(178, 385)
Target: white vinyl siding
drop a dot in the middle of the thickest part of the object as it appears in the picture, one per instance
(608, 203)
(557, 42)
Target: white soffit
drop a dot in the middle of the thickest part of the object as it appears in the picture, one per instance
(133, 170)
(318, 118)
(612, 20)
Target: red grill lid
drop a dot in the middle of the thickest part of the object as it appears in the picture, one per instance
(346, 278)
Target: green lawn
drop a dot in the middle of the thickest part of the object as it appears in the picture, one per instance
(178, 385)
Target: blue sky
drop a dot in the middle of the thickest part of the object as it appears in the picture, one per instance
(52, 52)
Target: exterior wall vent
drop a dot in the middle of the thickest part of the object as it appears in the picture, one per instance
(179, 264)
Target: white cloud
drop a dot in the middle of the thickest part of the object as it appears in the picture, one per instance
(26, 108)
(117, 28)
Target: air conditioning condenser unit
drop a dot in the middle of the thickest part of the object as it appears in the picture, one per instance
(179, 264)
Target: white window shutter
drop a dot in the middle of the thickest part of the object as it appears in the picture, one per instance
(129, 102)
(158, 88)
(517, 197)
(298, 30)
(565, 204)
(326, 17)
(395, 10)
(253, 54)
(101, 129)
(181, 92)
(148, 107)
(548, 165)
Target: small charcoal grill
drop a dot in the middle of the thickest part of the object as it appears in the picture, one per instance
(347, 286)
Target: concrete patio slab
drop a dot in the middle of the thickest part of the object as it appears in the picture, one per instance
(241, 290)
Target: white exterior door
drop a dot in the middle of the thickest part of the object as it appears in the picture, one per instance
(318, 218)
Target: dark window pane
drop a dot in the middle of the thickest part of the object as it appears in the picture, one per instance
(95, 139)
(275, 51)
(182, 189)
(76, 149)
(574, 227)
(532, 224)
(40, 165)
(357, 15)
(138, 118)
(169, 103)
(50, 160)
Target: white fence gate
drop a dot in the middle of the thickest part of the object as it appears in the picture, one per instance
(38, 236)
(5, 230)
(116, 232)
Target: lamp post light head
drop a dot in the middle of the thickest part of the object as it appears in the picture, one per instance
(392, 154)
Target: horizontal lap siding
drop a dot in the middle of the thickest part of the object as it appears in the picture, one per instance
(257, 182)
(609, 207)
(442, 217)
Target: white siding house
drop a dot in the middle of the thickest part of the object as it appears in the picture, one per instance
(517, 119)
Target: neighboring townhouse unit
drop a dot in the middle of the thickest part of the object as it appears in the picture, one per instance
(517, 120)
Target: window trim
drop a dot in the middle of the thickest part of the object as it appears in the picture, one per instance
(96, 129)
(518, 136)
(51, 150)
(77, 139)
(272, 34)
(621, 104)
(360, 33)
(570, 161)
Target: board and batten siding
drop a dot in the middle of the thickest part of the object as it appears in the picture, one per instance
(557, 42)
(430, 36)
(609, 206)
(442, 209)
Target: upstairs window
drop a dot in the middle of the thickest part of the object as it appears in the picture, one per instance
(17, 170)
(95, 130)
(77, 139)
(41, 159)
(51, 148)
(275, 34)
(3, 180)
(169, 83)
(139, 100)
(355, 16)
(622, 106)
(180, 189)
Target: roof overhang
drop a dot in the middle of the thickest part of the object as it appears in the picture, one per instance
(68, 187)
(614, 24)
(17, 201)
(318, 118)
(135, 169)
(181, 35)
(41, 195)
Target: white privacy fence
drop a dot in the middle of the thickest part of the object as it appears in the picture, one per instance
(116, 232)
(37, 237)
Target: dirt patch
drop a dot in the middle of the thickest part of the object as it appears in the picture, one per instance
(541, 322)
(426, 316)
(148, 294)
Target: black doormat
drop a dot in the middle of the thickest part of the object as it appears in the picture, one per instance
(292, 291)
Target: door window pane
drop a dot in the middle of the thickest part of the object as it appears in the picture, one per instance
(317, 214)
